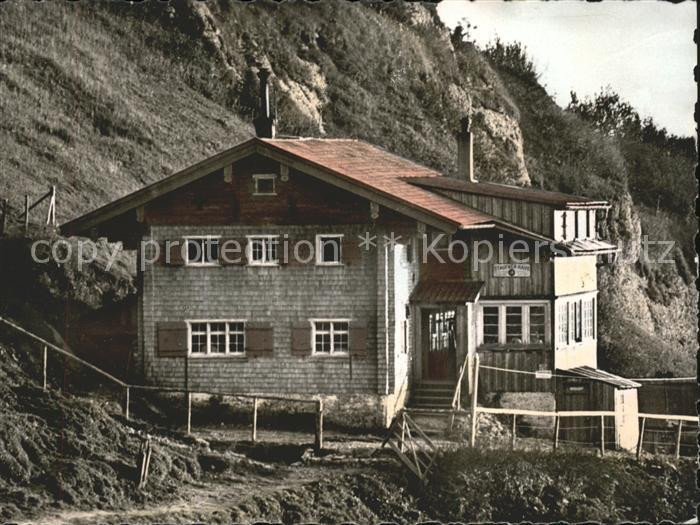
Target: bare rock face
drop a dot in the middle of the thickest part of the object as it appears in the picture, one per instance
(308, 95)
(625, 299)
(501, 134)
(499, 152)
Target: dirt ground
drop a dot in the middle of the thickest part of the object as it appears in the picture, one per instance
(279, 478)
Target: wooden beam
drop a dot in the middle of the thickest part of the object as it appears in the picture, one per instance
(126, 403)
(678, 438)
(26, 214)
(555, 444)
(602, 435)
(513, 432)
(475, 413)
(319, 425)
(640, 441)
(45, 359)
(189, 413)
(254, 429)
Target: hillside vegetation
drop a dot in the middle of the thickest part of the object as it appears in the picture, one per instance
(102, 99)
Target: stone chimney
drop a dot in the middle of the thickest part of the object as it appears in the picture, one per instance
(465, 151)
(266, 120)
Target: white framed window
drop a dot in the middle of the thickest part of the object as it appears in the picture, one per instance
(514, 323)
(202, 250)
(263, 250)
(330, 336)
(329, 249)
(216, 337)
(264, 184)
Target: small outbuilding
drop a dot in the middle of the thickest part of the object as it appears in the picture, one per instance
(585, 388)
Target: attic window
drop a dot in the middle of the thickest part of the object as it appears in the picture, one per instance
(328, 249)
(264, 184)
(202, 251)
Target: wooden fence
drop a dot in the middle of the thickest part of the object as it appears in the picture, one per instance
(600, 415)
(50, 213)
(127, 388)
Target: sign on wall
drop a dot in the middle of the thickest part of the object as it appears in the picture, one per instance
(511, 270)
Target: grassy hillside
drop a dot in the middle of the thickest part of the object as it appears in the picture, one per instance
(101, 100)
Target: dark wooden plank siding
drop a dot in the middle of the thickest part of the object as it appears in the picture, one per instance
(499, 381)
(529, 215)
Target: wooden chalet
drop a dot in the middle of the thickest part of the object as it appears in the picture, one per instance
(353, 281)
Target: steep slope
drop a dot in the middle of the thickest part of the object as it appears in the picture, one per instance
(101, 100)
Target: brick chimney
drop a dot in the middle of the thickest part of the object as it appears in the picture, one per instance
(465, 151)
(266, 120)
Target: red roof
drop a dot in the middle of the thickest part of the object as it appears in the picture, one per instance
(505, 191)
(381, 171)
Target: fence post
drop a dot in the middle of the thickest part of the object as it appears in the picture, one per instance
(126, 403)
(319, 425)
(403, 431)
(513, 432)
(189, 412)
(254, 430)
(640, 442)
(602, 435)
(678, 438)
(475, 390)
(26, 214)
(3, 216)
(45, 362)
(556, 434)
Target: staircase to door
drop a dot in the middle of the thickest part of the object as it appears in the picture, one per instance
(432, 395)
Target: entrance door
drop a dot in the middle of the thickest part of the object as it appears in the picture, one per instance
(439, 344)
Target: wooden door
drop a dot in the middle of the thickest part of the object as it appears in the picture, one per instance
(439, 344)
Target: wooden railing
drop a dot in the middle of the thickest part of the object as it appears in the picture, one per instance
(457, 398)
(515, 412)
(317, 403)
(51, 213)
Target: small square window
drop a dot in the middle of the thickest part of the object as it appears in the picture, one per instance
(264, 184)
(263, 250)
(202, 251)
(328, 249)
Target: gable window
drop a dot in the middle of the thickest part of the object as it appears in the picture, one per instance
(264, 184)
(262, 250)
(330, 336)
(328, 249)
(216, 337)
(202, 251)
(516, 324)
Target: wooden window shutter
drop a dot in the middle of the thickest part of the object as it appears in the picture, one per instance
(351, 252)
(172, 339)
(171, 253)
(233, 257)
(301, 338)
(358, 339)
(258, 339)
